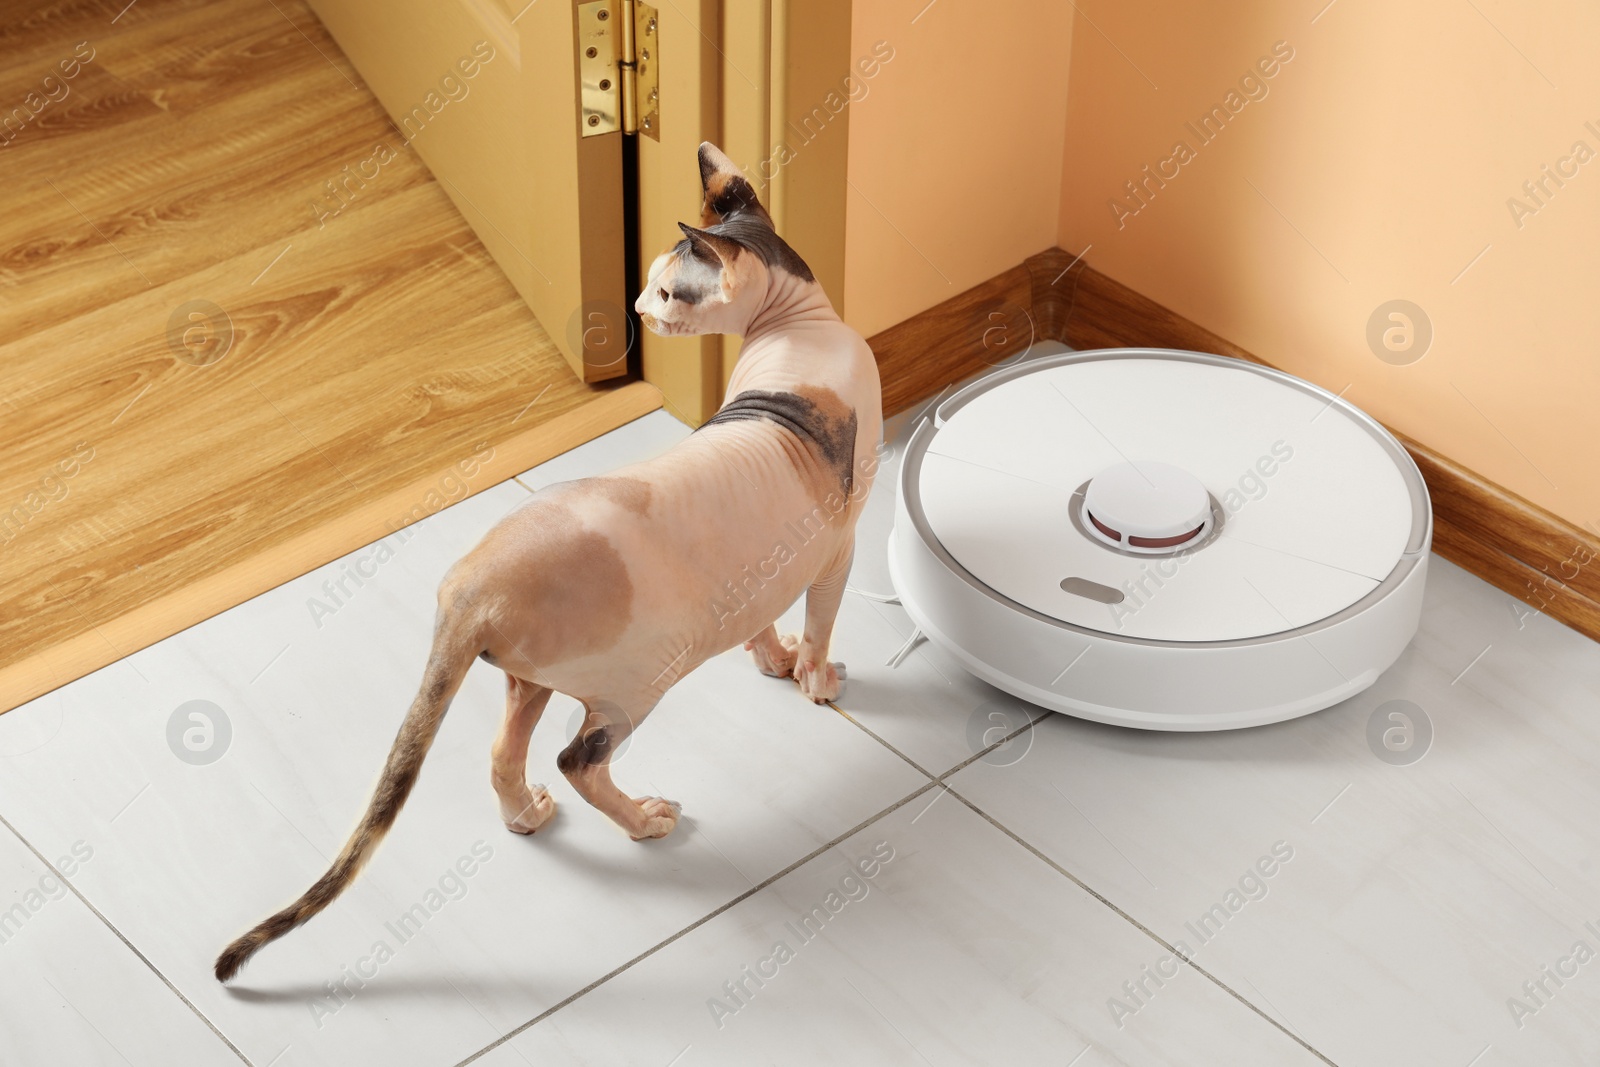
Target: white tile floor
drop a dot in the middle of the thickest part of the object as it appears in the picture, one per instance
(1014, 901)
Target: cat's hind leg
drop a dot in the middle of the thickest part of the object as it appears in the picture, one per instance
(523, 807)
(586, 763)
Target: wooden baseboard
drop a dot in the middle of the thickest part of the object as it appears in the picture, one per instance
(1538, 557)
(374, 519)
(983, 326)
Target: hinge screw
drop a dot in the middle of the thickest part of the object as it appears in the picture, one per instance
(594, 120)
(602, 14)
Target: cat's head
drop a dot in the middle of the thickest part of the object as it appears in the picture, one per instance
(714, 280)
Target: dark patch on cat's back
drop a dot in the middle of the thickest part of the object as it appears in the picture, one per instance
(572, 564)
(626, 492)
(816, 416)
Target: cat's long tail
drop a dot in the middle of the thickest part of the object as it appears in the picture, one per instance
(455, 645)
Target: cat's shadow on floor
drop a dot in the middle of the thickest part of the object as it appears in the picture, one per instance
(402, 987)
(565, 837)
(562, 840)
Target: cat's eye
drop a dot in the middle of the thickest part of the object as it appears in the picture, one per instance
(665, 296)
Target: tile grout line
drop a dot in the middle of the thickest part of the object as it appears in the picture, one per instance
(939, 778)
(862, 727)
(975, 757)
(123, 938)
(1141, 927)
(945, 786)
(752, 891)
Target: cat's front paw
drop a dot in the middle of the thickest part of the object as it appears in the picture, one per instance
(819, 682)
(774, 657)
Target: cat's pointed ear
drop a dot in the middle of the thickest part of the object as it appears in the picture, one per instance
(718, 251)
(711, 247)
(726, 192)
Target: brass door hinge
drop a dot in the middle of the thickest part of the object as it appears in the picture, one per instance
(618, 48)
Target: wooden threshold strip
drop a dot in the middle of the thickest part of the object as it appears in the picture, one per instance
(363, 524)
(1508, 541)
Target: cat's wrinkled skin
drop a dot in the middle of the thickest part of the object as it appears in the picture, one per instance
(610, 589)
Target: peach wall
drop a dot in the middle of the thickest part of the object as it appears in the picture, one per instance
(1378, 166)
(955, 150)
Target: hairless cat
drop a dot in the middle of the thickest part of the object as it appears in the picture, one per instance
(610, 589)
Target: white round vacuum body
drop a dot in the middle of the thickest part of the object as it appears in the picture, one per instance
(1161, 539)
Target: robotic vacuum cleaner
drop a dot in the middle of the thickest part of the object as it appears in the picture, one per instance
(1161, 539)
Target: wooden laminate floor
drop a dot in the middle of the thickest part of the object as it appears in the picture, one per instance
(210, 379)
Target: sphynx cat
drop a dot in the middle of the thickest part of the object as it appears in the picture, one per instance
(610, 589)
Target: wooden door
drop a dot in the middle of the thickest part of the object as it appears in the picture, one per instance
(495, 97)
(487, 93)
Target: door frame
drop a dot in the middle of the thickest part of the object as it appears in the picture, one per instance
(762, 70)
